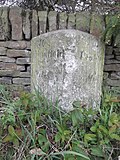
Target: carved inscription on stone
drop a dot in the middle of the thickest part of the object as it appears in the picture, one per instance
(67, 66)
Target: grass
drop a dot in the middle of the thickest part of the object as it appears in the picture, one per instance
(32, 128)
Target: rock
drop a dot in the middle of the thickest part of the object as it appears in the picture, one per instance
(23, 81)
(24, 74)
(109, 50)
(6, 59)
(113, 83)
(8, 66)
(6, 80)
(29, 69)
(23, 61)
(112, 61)
(26, 24)
(4, 24)
(3, 51)
(20, 67)
(8, 73)
(52, 20)
(63, 20)
(117, 50)
(67, 65)
(2, 44)
(105, 75)
(117, 53)
(83, 21)
(112, 67)
(17, 53)
(15, 17)
(71, 21)
(16, 44)
(118, 58)
(108, 57)
(42, 15)
(115, 75)
(97, 25)
(34, 23)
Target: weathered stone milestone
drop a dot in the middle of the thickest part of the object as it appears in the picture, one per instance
(68, 65)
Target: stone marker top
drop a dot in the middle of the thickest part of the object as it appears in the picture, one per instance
(68, 65)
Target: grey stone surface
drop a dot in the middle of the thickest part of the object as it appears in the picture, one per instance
(113, 67)
(52, 20)
(18, 53)
(118, 58)
(2, 43)
(63, 20)
(8, 73)
(15, 17)
(117, 53)
(71, 21)
(23, 81)
(42, 15)
(83, 21)
(109, 50)
(6, 59)
(24, 74)
(105, 75)
(4, 24)
(20, 68)
(115, 75)
(26, 24)
(23, 61)
(34, 23)
(112, 61)
(68, 65)
(16, 44)
(6, 80)
(107, 57)
(29, 69)
(113, 83)
(97, 25)
(3, 51)
(9, 66)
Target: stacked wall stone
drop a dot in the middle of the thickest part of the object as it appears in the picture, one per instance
(18, 27)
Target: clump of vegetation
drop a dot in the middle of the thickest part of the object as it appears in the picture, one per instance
(32, 128)
(112, 31)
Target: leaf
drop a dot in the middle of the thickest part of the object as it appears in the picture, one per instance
(57, 137)
(93, 128)
(71, 152)
(37, 151)
(74, 119)
(77, 117)
(112, 129)
(76, 104)
(113, 119)
(97, 151)
(89, 137)
(8, 138)
(115, 136)
(25, 102)
(15, 142)
(42, 138)
(11, 130)
(102, 128)
(18, 132)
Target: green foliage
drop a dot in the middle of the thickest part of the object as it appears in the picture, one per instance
(112, 30)
(40, 130)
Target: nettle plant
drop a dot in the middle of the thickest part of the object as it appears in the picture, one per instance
(33, 128)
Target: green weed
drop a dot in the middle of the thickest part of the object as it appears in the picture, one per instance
(32, 128)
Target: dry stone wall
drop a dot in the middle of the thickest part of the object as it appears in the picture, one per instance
(18, 27)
